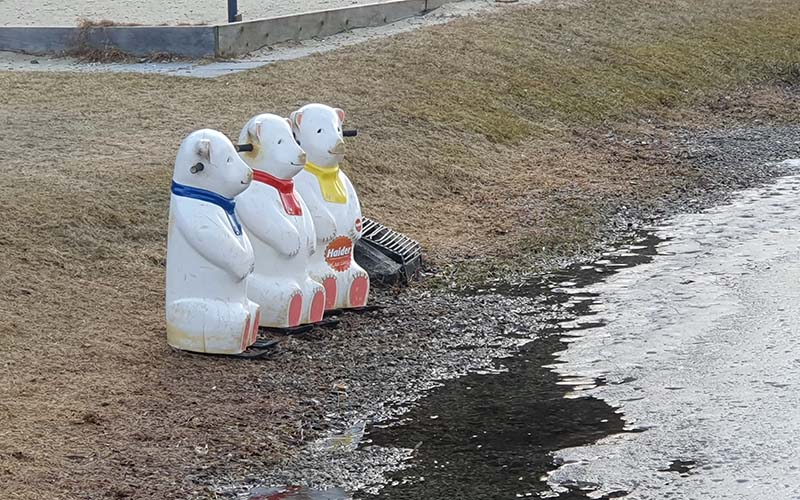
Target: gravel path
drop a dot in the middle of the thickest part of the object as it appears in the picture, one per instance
(68, 12)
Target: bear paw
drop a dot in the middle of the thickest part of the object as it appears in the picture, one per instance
(254, 331)
(246, 334)
(329, 237)
(311, 245)
(295, 247)
(329, 283)
(359, 289)
(295, 309)
(317, 306)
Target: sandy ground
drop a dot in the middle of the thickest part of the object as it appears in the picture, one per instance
(69, 12)
(269, 55)
(501, 143)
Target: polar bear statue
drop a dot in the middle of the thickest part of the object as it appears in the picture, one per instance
(333, 203)
(279, 225)
(208, 255)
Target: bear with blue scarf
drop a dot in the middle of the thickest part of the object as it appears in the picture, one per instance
(209, 257)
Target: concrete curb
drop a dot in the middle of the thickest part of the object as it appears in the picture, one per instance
(220, 40)
(187, 41)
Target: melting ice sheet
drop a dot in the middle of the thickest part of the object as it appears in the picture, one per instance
(701, 350)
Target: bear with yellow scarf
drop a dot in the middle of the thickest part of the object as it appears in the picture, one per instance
(333, 204)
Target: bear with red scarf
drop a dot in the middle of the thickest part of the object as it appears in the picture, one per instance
(279, 225)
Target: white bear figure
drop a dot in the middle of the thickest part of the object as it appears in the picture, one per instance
(208, 255)
(333, 203)
(279, 225)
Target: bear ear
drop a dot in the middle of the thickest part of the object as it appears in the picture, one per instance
(296, 118)
(340, 114)
(255, 130)
(204, 149)
(289, 122)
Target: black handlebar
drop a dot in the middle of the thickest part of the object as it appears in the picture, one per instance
(249, 147)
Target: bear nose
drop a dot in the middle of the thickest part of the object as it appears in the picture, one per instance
(249, 175)
(301, 158)
(338, 149)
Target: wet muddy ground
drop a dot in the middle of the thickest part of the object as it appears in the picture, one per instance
(489, 433)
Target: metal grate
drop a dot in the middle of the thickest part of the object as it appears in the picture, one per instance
(397, 246)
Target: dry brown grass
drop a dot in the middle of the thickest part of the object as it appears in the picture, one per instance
(85, 23)
(470, 141)
(82, 51)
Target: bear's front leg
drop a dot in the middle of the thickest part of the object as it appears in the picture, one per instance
(325, 227)
(212, 237)
(356, 229)
(276, 231)
(324, 223)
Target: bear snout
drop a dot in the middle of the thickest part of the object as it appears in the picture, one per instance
(338, 149)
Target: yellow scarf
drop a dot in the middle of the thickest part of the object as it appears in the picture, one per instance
(330, 184)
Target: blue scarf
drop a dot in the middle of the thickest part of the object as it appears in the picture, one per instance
(226, 204)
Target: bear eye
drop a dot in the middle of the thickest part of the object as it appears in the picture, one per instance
(229, 160)
(319, 131)
(280, 141)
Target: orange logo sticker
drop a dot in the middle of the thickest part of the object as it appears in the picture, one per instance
(338, 253)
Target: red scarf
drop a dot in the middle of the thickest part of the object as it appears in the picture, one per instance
(285, 188)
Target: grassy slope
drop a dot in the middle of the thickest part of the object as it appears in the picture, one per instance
(468, 143)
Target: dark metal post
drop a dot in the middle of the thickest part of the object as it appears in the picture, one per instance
(233, 10)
